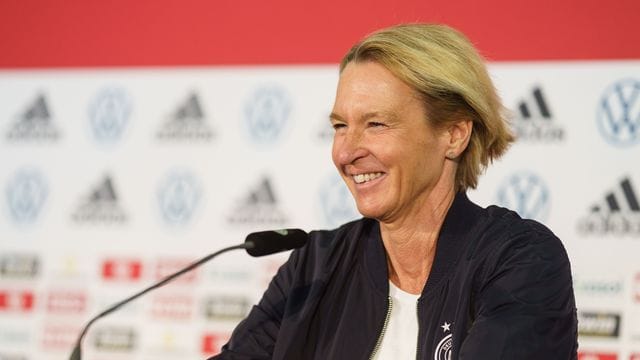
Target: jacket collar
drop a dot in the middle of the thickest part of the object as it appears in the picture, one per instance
(456, 230)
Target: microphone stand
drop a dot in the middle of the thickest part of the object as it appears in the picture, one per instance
(77, 351)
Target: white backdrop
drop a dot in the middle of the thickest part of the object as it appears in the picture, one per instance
(113, 178)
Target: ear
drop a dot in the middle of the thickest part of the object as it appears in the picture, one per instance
(459, 134)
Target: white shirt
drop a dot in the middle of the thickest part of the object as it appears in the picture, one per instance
(400, 340)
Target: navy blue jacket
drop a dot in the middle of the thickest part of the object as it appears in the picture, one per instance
(500, 288)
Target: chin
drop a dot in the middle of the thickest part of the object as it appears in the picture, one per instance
(369, 211)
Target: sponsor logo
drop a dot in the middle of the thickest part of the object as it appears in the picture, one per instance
(19, 266)
(526, 194)
(598, 287)
(168, 266)
(229, 275)
(115, 339)
(618, 114)
(534, 121)
(259, 207)
(266, 114)
(109, 114)
(336, 201)
(582, 355)
(26, 194)
(121, 270)
(101, 205)
(186, 123)
(443, 349)
(66, 301)
(212, 342)
(16, 301)
(618, 214)
(178, 196)
(598, 324)
(229, 308)
(176, 343)
(58, 337)
(175, 307)
(34, 124)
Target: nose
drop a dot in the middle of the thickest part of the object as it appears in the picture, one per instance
(348, 146)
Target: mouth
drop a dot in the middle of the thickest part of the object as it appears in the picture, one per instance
(363, 178)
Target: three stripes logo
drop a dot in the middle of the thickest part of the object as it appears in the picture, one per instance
(259, 207)
(534, 121)
(618, 214)
(34, 124)
(101, 206)
(187, 122)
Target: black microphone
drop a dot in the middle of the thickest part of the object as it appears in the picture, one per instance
(257, 244)
(270, 242)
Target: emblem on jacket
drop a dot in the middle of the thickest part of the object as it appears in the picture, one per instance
(443, 350)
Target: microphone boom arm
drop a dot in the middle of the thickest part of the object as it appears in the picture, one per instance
(77, 352)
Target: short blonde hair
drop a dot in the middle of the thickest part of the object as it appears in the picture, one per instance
(442, 65)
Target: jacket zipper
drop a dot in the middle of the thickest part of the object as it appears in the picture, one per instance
(384, 328)
(418, 339)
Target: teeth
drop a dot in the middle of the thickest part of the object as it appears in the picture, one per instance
(361, 178)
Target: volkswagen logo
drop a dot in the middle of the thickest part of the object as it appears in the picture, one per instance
(26, 193)
(266, 114)
(178, 197)
(109, 114)
(526, 194)
(619, 113)
(336, 201)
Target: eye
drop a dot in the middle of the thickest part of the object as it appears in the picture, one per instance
(337, 126)
(375, 124)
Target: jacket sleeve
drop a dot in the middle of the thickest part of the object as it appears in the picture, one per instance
(524, 306)
(255, 336)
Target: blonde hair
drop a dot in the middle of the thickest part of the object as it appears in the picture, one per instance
(442, 65)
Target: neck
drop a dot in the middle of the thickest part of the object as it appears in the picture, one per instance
(410, 242)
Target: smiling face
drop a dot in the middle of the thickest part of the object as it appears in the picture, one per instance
(391, 159)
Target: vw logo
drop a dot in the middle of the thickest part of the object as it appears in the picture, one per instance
(526, 194)
(619, 113)
(336, 201)
(108, 115)
(26, 193)
(178, 197)
(266, 114)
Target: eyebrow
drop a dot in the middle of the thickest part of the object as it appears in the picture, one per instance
(388, 114)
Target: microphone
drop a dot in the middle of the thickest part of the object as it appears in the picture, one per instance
(256, 244)
(270, 242)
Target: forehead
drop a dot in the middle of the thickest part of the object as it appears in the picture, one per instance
(370, 87)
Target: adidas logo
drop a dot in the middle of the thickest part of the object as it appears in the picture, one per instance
(101, 206)
(259, 207)
(34, 124)
(187, 122)
(618, 213)
(534, 121)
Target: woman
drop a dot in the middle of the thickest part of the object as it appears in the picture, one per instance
(426, 273)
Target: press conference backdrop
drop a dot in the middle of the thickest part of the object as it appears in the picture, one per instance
(114, 177)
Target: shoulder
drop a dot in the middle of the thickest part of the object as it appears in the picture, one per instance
(325, 247)
(510, 239)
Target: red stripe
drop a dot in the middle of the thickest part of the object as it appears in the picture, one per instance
(91, 33)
